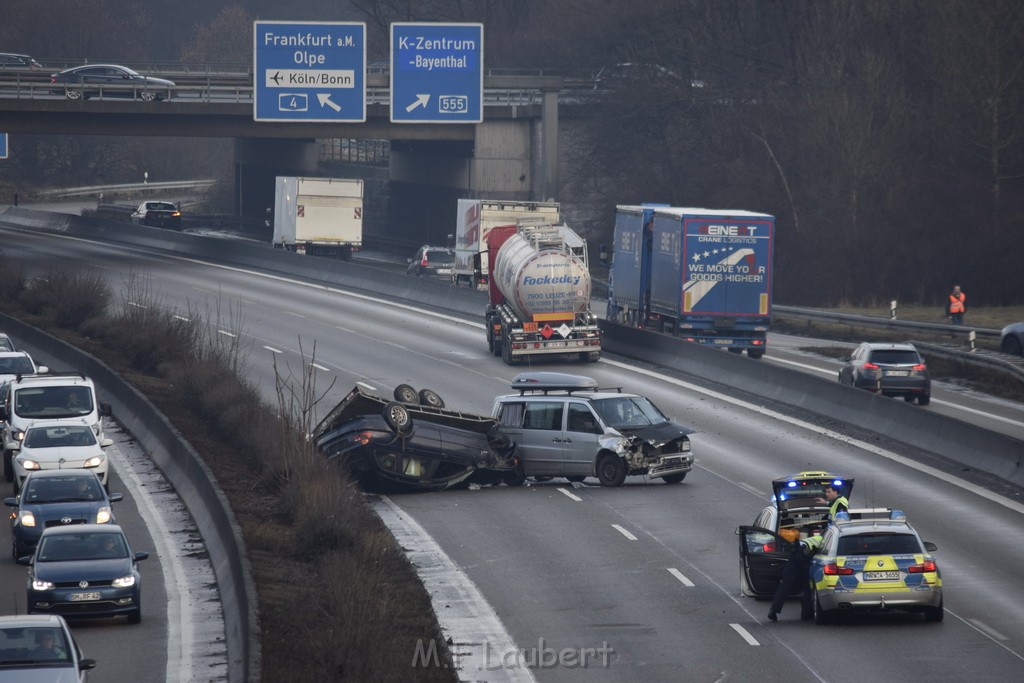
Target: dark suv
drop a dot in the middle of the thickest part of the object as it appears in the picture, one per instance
(890, 370)
(432, 261)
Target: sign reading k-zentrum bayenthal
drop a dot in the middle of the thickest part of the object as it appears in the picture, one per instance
(309, 71)
(437, 73)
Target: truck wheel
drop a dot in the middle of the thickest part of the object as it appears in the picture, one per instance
(611, 470)
(506, 352)
(590, 356)
(398, 418)
(430, 398)
(674, 478)
(406, 394)
(755, 353)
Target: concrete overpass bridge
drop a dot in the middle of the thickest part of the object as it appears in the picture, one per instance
(512, 154)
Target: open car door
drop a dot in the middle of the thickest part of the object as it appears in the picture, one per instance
(763, 557)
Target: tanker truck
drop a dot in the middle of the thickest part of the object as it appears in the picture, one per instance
(539, 293)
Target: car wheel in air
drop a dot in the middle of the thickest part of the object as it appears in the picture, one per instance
(73, 94)
(430, 398)
(674, 478)
(611, 470)
(516, 477)
(924, 399)
(398, 418)
(406, 394)
(934, 614)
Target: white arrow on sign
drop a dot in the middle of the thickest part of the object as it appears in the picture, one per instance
(325, 100)
(420, 101)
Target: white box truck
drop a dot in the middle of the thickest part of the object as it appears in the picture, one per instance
(319, 216)
(474, 221)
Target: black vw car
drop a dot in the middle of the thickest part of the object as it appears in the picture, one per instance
(57, 498)
(85, 570)
(412, 443)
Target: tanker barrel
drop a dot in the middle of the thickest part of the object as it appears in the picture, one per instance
(541, 275)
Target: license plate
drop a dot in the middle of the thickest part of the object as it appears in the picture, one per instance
(897, 373)
(557, 344)
(723, 342)
(83, 597)
(881, 576)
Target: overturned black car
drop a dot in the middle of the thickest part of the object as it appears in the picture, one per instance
(412, 443)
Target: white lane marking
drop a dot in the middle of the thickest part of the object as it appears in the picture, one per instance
(180, 317)
(988, 629)
(320, 367)
(273, 350)
(980, 413)
(570, 495)
(368, 386)
(622, 531)
(679, 575)
(750, 489)
(132, 303)
(466, 619)
(842, 438)
(744, 635)
(180, 616)
(227, 334)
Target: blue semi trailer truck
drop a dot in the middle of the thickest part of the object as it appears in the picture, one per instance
(701, 274)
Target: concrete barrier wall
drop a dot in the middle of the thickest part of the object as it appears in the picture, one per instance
(954, 440)
(187, 472)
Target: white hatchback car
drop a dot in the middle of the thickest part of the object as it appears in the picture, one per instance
(57, 445)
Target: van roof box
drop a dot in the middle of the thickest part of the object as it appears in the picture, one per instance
(552, 381)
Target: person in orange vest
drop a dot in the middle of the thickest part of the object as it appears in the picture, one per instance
(957, 306)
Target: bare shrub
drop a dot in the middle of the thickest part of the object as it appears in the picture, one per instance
(68, 296)
(12, 279)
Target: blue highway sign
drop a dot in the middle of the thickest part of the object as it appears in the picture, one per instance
(437, 73)
(3, 145)
(306, 71)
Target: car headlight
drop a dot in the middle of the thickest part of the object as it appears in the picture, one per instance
(26, 518)
(123, 582)
(38, 585)
(685, 447)
(28, 464)
(94, 461)
(18, 435)
(103, 515)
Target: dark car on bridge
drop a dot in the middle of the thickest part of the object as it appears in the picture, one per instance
(158, 214)
(85, 570)
(412, 443)
(109, 80)
(15, 63)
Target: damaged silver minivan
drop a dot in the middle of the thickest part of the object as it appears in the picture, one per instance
(566, 426)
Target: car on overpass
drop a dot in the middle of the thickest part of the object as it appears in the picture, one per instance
(15, 63)
(109, 80)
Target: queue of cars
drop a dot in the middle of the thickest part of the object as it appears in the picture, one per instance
(870, 560)
(63, 526)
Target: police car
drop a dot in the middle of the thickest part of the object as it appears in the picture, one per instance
(792, 514)
(875, 565)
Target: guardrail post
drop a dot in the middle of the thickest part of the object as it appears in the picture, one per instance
(971, 336)
(892, 308)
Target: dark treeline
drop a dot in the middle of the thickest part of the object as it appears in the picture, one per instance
(886, 135)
